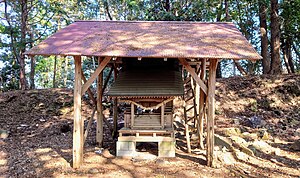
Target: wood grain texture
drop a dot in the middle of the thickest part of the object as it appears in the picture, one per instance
(78, 121)
(99, 129)
(202, 99)
(211, 111)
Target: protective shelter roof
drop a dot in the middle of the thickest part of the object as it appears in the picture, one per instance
(154, 39)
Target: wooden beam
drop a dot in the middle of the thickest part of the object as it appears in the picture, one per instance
(202, 99)
(211, 111)
(193, 74)
(78, 121)
(89, 124)
(99, 129)
(93, 77)
(107, 79)
(90, 93)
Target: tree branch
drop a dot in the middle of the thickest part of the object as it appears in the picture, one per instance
(107, 10)
(296, 51)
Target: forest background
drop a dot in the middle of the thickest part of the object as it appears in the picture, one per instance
(271, 26)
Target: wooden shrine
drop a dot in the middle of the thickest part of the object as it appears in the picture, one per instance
(148, 86)
(165, 47)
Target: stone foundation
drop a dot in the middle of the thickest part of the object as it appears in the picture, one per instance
(128, 148)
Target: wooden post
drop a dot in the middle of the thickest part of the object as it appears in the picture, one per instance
(115, 107)
(187, 134)
(78, 121)
(99, 129)
(201, 104)
(211, 110)
(132, 115)
(197, 100)
(162, 117)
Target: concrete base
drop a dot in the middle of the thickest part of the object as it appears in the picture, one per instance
(128, 148)
(166, 149)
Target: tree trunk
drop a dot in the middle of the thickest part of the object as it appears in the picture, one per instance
(24, 17)
(106, 6)
(275, 39)
(32, 63)
(296, 51)
(167, 5)
(251, 67)
(264, 37)
(289, 55)
(66, 71)
(54, 72)
(219, 16)
(227, 16)
(285, 58)
(240, 68)
(32, 72)
(219, 70)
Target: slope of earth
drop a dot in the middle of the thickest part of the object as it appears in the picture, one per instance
(36, 135)
(261, 101)
(260, 116)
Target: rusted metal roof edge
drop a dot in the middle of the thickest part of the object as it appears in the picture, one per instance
(174, 22)
(201, 57)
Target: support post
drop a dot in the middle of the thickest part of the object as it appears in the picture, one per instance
(78, 139)
(115, 107)
(211, 111)
(162, 117)
(99, 129)
(132, 115)
(201, 104)
(187, 134)
(197, 99)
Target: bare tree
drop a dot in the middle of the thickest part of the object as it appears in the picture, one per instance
(264, 36)
(275, 39)
(24, 19)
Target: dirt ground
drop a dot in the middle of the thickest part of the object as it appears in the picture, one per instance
(38, 127)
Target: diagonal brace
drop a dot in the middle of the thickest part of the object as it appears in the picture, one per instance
(93, 77)
(193, 74)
